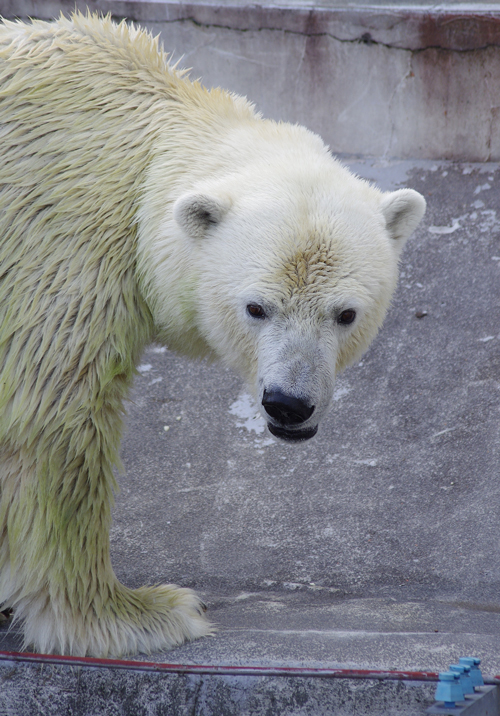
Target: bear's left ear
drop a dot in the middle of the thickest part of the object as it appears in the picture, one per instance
(402, 210)
(195, 213)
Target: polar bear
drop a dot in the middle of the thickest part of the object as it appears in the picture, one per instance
(138, 206)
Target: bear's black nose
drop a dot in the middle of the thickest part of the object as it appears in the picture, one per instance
(286, 409)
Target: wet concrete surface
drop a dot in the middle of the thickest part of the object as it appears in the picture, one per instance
(397, 498)
(382, 533)
(375, 544)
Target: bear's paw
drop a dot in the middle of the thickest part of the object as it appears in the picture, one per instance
(144, 620)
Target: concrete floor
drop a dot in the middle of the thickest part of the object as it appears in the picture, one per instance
(374, 545)
(387, 522)
(395, 502)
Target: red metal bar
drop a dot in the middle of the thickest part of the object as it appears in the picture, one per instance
(207, 669)
(218, 669)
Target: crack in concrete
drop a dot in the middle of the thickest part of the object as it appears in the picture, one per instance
(490, 118)
(408, 74)
(364, 39)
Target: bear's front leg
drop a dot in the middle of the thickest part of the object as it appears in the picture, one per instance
(55, 568)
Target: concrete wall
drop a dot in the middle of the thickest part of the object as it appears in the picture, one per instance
(384, 81)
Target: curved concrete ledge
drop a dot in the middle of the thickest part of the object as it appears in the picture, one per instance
(459, 27)
(406, 81)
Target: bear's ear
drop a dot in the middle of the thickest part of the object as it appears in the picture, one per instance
(195, 213)
(402, 210)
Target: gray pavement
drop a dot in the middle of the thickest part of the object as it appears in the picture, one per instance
(376, 544)
(396, 500)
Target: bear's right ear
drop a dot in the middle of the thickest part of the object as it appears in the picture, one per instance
(402, 210)
(195, 213)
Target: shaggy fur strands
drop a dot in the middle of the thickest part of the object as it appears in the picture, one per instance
(83, 105)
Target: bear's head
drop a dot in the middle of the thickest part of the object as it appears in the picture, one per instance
(291, 262)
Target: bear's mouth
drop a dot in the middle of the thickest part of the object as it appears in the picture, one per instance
(292, 435)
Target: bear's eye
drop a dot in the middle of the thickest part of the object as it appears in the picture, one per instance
(255, 310)
(346, 317)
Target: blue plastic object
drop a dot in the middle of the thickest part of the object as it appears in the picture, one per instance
(465, 680)
(449, 688)
(475, 671)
